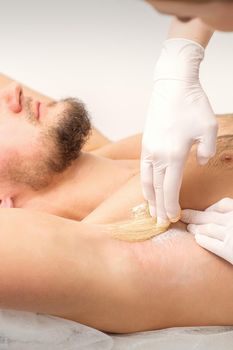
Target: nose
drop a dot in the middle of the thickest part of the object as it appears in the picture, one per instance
(13, 96)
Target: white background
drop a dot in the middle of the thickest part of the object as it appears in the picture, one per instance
(102, 51)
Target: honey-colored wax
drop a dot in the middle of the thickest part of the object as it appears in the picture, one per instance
(140, 227)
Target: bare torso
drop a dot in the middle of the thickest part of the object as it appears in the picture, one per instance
(82, 188)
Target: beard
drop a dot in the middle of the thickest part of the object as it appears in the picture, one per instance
(55, 150)
(35, 172)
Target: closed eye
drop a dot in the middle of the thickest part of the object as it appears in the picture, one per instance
(184, 19)
(20, 98)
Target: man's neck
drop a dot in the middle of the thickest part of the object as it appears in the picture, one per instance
(58, 191)
(78, 191)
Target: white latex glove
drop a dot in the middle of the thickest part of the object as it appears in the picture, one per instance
(179, 115)
(213, 228)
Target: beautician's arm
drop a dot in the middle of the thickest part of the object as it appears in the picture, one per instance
(130, 148)
(194, 30)
(178, 116)
(96, 140)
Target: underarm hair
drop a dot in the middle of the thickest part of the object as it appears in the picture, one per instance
(223, 158)
(140, 227)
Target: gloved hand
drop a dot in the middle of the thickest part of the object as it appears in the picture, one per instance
(179, 115)
(213, 228)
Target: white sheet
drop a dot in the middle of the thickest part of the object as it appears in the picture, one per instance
(29, 331)
(203, 338)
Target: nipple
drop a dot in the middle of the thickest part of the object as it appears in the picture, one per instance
(227, 159)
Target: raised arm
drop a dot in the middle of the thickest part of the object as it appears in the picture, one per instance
(39, 254)
(73, 270)
(61, 267)
(194, 30)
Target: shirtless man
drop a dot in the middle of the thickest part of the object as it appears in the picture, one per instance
(76, 270)
(42, 165)
(30, 163)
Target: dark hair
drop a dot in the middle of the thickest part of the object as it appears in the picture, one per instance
(224, 153)
(70, 135)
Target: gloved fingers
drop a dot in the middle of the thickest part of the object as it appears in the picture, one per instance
(213, 245)
(172, 184)
(223, 206)
(147, 185)
(206, 147)
(158, 180)
(202, 217)
(210, 230)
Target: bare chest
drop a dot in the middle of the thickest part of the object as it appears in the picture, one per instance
(75, 198)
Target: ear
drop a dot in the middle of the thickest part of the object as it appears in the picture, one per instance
(7, 203)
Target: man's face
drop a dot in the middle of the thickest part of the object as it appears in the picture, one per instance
(217, 14)
(25, 142)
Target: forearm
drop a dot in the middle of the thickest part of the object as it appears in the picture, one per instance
(194, 30)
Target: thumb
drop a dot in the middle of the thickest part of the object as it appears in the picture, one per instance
(207, 147)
